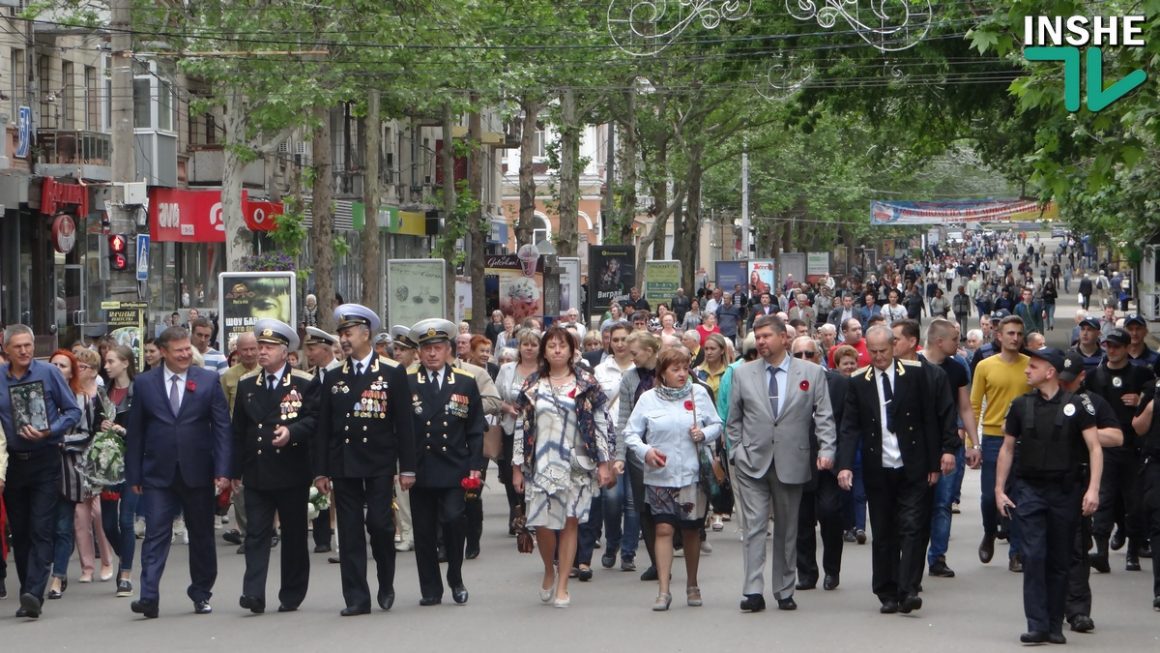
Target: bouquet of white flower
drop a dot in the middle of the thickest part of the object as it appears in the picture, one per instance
(316, 503)
(105, 460)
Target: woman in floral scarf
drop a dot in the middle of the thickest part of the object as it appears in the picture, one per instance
(562, 452)
(677, 417)
(118, 506)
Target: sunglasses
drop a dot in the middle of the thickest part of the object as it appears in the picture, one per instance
(805, 354)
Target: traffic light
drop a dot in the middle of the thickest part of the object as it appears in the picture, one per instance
(118, 252)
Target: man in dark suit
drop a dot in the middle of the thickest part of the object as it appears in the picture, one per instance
(320, 355)
(449, 428)
(904, 448)
(275, 416)
(365, 434)
(178, 456)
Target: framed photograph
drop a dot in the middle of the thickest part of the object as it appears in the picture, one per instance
(28, 406)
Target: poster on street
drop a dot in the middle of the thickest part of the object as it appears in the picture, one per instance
(570, 284)
(246, 297)
(817, 265)
(611, 274)
(793, 264)
(762, 277)
(462, 298)
(661, 280)
(416, 290)
(731, 273)
(515, 284)
(126, 322)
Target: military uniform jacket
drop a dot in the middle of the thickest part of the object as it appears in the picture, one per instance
(365, 425)
(449, 427)
(257, 412)
(922, 436)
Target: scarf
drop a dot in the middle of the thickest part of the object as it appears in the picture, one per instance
(674, 394)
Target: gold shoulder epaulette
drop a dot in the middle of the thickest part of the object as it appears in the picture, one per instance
(302, 375)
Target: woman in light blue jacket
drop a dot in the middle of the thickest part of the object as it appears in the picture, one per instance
(667, 427)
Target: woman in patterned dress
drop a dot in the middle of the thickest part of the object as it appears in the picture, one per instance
(561, 454)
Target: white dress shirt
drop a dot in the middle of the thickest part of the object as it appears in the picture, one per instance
(181, 377)
(891, 453)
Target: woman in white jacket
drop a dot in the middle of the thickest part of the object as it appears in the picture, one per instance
(667, 427)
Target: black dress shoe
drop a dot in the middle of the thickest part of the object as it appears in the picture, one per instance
(252, 603)
(1082, 623)
(909, 604)
(322, 548)
(1118, 539)
(830, 582)
(459, 594)
(804, 584)
(352, 611)
(753, 603)
(386, 599)
(430, 600)
(940, 569)
(472, 552)
(987, 549)
(287, 608)
(334, 560)
(20, 613)
(649, 574)
(1156, 603)
(889, 607)
(787, 603)
(233, 536)
(1056, 638)
(30, 605)
(1015, 564)
(1033, 638)
(3, 590)
(1145, 550)
(144, 607)
(584, 574)
(202, 607)
(441, 553)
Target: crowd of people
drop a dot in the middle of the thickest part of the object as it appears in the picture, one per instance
(812, 406)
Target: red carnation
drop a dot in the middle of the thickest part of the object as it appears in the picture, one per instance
(470, 483)
(805, 385)
(190, 386)
(688, 404)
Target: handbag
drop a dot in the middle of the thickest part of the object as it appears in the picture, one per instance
(493, 442)
(525, 543)
(712, 477)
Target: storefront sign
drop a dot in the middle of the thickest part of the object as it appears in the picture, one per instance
(246, 297)
(64, 233)
(416, 290)
(55, 196)
(195, 216)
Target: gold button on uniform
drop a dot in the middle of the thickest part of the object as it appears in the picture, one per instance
(348, 440)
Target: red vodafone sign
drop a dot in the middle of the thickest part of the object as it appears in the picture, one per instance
(178, 215)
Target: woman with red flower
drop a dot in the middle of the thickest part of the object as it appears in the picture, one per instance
(563, 450)
(677, 417)
(118, 505)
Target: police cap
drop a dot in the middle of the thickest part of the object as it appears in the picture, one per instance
(1090, 322)
(276, 332)
(433, 330)
(1072, 366)
(316, 336)
(1118, 336)
(1049, 354)
(402, 336)
(1134, 318)
(349, 315)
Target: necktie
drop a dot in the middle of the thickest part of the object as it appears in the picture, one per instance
(888, 396)
(773, 391)
(174, 395)
(358, 369)
(435, 379)
(269, 381)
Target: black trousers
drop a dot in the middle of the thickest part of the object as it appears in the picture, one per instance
(351, 495)
(1151, 487)
(474, 511)
(432, 509)
(648, 528)
(1046, 514)
(30, 496)
(1079, 589)
(821, 505)
(322, 530)
(900, 519)
(1119, 482)
(290, 505)
(160, 506)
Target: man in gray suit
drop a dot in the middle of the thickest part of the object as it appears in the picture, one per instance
(772, 404)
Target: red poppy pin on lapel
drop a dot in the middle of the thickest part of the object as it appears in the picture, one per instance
(805, 385)
(688, 404)
(190, 386)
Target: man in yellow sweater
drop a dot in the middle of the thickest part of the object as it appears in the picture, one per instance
(997, 382)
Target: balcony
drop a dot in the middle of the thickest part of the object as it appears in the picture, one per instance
(82, 154)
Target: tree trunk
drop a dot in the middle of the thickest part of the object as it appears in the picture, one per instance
(687, 231)
(629, 148)
(238, 237)
(447, 160)
(475, 228)
(322, 231)
(372, 261)
(569, 175)
(527, 219)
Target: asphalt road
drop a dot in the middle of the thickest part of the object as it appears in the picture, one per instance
(979, 609)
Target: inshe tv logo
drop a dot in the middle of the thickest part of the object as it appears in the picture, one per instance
(1054, 38)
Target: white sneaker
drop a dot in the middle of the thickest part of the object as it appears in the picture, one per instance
(706, 548)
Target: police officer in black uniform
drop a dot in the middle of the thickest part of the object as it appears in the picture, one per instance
(1148, 425)
(1046, 432)
(275, 416)
(1089, 343)
(365, 434)
(1122, 384)
(449, 428)
(1079, 591)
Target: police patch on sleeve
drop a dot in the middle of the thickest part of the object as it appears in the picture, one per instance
(1069, 410)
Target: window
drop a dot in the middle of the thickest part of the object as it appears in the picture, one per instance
(164, 106)
(19, 83)
(540, 144)
(92, 99)
(49, 111)
(67, 96)
(142, 96)
(542, 231)
(210, 129)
